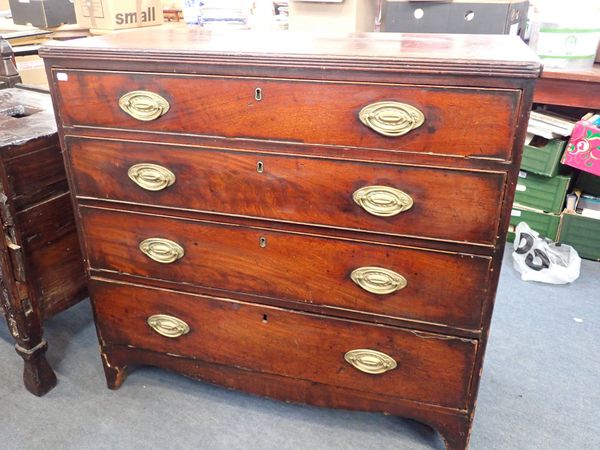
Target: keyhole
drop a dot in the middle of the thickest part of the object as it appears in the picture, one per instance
(258, 94)
(260, 167)
(262, 242)
(265, 318)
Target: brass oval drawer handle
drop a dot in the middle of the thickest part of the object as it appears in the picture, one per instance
(151, 177)
(378, 280)
(161, 250)
(168, 326)
(370, 361)
(391, 118)
(144, 105)
(382, 201)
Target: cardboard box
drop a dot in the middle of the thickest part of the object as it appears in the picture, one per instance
(42, 13)
(542, 193)
(342, 17)
(32, 71)
(583, 149)
(458, 16)
(544, 223)
(542, 156)
(118, 14)
(582, 233)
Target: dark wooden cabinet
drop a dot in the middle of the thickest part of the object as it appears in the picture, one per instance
(40, 260)
(319, 220)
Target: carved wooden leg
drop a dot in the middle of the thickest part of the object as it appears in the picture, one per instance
(25, 326)
(38, 376)
(115, 375)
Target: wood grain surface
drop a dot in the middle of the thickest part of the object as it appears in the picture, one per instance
(487, 56)
(431, 368)
(448, 204)
(267, 318)
(442, 288)
(314, 112)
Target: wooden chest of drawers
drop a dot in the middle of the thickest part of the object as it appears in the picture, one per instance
(315, 219)
(41, 271)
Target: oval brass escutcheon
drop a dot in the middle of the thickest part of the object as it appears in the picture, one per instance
(151, 177)
(391, 118)
(378, 280)
(144, 105)
(382, 201)
(370, 361)
(168, 326)
(161, 250)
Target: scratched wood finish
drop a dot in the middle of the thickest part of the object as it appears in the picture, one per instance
(30, 183)
(450, 423)
(305, 130)
(42, 267)
(239, 51)
(298, 111)
(442, 288)
(290, 344)
(50, 244)
(448, 204)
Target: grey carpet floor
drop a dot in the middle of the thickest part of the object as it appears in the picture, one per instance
(540, 390)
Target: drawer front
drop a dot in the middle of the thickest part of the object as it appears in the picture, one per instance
(380, 279)
(455, 121)
(428, 368)
(447, 204)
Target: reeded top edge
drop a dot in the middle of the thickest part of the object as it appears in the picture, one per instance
(484, 55)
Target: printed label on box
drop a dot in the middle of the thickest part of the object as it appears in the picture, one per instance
(93, 8)
(515, 213)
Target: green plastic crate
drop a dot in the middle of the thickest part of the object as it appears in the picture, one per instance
(544, 223)
(589, 183)
(542, 193)
(545, 159)
(582, 233)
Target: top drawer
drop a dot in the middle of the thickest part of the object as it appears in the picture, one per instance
(444, 120)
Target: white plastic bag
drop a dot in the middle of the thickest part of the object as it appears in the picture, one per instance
(539, 259)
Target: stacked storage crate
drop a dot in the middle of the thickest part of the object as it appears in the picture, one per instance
(547, 169)
(541, 190)
(578, 230)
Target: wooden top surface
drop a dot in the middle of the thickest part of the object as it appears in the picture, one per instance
(24, 115)
(479, 54)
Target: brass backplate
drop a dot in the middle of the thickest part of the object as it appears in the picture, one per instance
(168, 326)
(391, 118)
(384, 201)
(144, 105)
(370, 361)
(378, 280)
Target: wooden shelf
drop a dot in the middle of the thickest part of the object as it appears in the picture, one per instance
(569, 88)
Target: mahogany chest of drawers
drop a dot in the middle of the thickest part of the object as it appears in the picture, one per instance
(315, 219)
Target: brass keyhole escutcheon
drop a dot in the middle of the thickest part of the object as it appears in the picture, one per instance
(258, 94)
(260, 167)
(262, 242)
